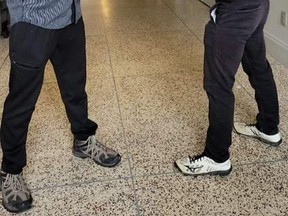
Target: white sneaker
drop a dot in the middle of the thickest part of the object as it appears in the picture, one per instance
(203, 165)
(252, 131)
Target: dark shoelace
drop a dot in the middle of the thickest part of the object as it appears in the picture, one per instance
(195, 157)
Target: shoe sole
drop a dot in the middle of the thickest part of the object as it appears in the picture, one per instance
(219, 173)
(84, 156)
(261, 139)
(26, 205)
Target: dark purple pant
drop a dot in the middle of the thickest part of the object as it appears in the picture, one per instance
(237, 36)
(30, 49)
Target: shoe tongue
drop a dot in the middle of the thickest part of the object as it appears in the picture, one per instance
(81, 142)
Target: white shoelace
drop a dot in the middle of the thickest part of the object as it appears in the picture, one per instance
(94, 146)
(14, 182)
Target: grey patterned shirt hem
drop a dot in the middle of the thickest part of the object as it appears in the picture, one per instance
(49, 14)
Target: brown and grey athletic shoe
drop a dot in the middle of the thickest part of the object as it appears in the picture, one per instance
(16, 197)
(92, 148)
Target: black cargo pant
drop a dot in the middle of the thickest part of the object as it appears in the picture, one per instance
(30, 49)
(237, 36)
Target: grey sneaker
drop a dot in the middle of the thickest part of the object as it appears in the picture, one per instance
(250, 130)
(92, 148)
(16, 197)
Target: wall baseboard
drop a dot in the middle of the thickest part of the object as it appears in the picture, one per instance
(209, 3)
(276, 48)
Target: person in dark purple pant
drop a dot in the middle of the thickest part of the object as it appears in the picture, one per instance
(234, 35)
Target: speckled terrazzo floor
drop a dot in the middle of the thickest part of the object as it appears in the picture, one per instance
(145, 91)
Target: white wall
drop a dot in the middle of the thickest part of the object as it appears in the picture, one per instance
(276, 35)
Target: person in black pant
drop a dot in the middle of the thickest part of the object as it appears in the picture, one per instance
(35, 38)
(234, 35)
